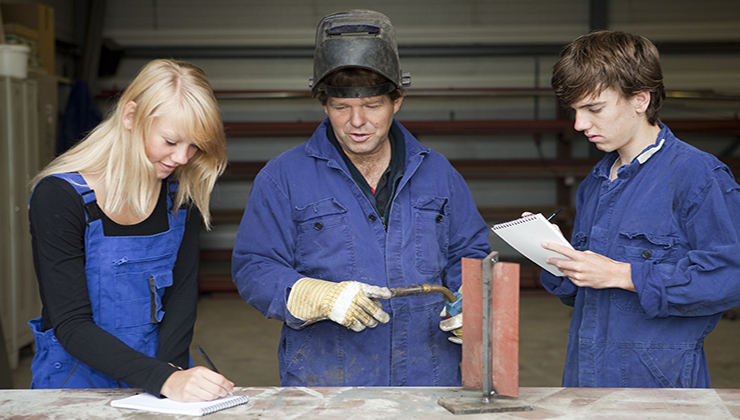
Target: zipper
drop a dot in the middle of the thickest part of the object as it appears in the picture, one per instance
(125, 260)
(153, 301)
(122, 261)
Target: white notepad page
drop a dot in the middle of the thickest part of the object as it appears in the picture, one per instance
(527, 234)
(148, 402)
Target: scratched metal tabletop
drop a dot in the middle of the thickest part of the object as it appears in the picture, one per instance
(392, 403)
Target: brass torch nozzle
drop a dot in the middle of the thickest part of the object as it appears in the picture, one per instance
(422, 289)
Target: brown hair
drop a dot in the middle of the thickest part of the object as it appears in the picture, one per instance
(627, 63)
(356, 76)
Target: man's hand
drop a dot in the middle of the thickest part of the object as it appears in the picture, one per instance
(588, 269)
(196, 384)
(349, 303)
(454, 325)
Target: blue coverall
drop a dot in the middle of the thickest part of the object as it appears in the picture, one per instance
(126, 279)
(307, 217)
(673, 213)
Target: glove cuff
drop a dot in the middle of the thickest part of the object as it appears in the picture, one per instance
(306, 296)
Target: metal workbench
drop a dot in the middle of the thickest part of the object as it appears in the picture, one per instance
(392, 403)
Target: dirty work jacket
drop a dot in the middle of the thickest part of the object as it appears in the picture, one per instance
(673, 214)
(126, 280)
(306, 217)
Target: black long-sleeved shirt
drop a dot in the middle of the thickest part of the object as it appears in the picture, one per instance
(58, 225)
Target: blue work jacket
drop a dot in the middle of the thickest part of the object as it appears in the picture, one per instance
(306, 217)
(673, 213)
(126, 280)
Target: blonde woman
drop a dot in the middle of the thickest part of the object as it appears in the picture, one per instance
(115, 224)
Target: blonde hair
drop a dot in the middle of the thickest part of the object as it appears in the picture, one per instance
(118, 156)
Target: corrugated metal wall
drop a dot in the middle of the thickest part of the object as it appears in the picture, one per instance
(166, 24)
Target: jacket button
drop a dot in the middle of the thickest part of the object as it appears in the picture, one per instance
(372, 217)
(57, 365)
(439, 218)
(647, 254)
(318, 226)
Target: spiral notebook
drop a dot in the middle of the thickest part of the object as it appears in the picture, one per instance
(526, 236)
(149, 402)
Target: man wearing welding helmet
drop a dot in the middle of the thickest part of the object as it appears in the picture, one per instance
(360, 208)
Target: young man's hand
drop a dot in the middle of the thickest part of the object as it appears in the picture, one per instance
(589, 269)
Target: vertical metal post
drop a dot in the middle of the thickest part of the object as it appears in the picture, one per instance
(490, 353)
(93, 43)
(6, 374)
(598, 16)
(487, 297)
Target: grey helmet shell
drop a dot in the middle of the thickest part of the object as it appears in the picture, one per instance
(356, 38)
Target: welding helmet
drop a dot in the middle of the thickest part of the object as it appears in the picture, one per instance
(356, 38)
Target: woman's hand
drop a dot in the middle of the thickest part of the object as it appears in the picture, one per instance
(196, 384)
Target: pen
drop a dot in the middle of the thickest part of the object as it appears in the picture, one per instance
(555, 213)
(210, 363)
(208, 360)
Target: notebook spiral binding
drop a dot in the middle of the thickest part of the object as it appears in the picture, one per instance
(226, 404)
(514, 222)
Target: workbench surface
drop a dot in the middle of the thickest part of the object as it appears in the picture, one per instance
(392, 403)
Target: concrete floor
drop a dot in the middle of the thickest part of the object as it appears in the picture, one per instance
(243, 344)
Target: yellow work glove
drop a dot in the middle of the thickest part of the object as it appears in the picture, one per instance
(349, 303)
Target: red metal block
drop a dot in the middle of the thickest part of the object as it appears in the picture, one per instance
(504, 327)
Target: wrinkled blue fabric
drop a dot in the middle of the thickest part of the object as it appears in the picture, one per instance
(676, 219)
(306, 217)
(126, 279)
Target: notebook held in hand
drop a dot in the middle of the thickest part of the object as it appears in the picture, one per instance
(527, 234)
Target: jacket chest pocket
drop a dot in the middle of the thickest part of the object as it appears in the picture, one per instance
(139, 291)
(431, 226)
(635, 247)
(325, 248)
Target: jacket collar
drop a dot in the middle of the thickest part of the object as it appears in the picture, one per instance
(664, 140)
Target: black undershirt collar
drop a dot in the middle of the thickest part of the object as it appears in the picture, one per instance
(381, 199)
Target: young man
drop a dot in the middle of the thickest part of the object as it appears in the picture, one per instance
(657, 234)
(361, 207)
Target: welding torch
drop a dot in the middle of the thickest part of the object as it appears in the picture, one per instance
(453, 304)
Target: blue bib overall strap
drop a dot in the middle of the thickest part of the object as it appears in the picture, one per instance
(126, 279)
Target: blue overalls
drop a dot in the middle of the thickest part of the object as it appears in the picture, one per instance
(126, 279)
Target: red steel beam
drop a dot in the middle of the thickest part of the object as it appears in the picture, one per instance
(489, 168)
(504, 327)
(473, 168)
(482, 127)
(471, 127)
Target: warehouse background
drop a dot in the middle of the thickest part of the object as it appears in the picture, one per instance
(470, 61)
(480, 92)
